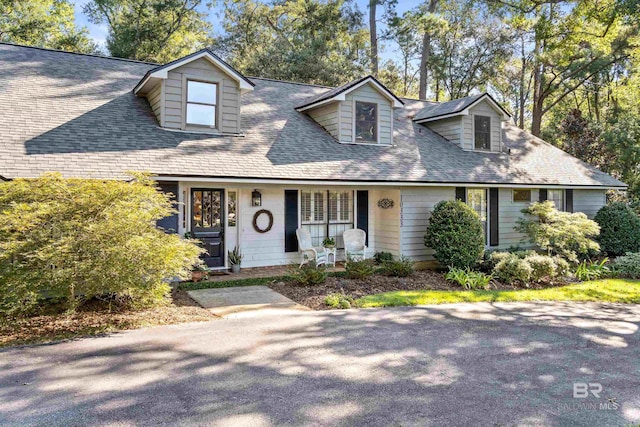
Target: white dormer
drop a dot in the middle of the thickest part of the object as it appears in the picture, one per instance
(197, 93)
(360, 112)
(474, 123)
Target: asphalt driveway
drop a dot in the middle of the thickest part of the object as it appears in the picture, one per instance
(481, 364)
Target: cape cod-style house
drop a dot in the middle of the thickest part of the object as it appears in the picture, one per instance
(250, 159)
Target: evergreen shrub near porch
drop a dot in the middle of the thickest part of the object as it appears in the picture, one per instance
(72, 240)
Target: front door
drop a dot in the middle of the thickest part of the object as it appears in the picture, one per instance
(207, 223)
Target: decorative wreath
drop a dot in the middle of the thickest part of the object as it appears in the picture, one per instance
(255, 221)
(385, 203)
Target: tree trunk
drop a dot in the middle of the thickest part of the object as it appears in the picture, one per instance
(426, 56)
(521, 101)
(373, 34)
(538, 96)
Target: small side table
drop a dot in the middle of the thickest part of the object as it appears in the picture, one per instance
(331, 252)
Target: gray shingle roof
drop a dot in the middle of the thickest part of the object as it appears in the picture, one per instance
(76, 114)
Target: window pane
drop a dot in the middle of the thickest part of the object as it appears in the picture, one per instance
(231, 220)
(318, 206)
(197, 209)
(333, 206)
(345, 206)
(305, 206)
(557, 197)
(366, 118)
(201, 92)
(521, 195)
(201, 114)
(477, 199)
(482, 129)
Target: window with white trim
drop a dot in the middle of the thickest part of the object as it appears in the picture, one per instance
(482, 132)
(477, 199)
(366, 118)
(326, 213)
(201, 103)
(557, 197)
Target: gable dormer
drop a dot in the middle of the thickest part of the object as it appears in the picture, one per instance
(359, 112)
(197, 93)
(473, 123)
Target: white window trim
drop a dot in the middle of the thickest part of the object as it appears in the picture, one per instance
(487, 237)
(353, 114)
(219, 90)
(473, 135)
(563, 208)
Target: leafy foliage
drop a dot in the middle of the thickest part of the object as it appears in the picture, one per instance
(541, 267)
(512, 269)
(560, 233)
(619, 229)
(628, 265)
(75, 239)
(592, 270)
(402, 267)
(382, 257)
(309, 274)
(359, 269)
(456, 234)
(339, 300)
(468, 279)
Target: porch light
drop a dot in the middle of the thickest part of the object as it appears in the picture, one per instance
(256, 198)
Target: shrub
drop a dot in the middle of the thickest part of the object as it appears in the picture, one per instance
(468, 279)
(629, 265)
(359, 269)
(512, 269)
(592, 270)
(339, 300)
(562, 267)
(542, 266)
(403, 267)
(76, 239)
(559, 233)
(309, 274)
(456, 235)
(619, 229)
(382, 257)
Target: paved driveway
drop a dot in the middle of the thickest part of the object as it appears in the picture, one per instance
(502, 364)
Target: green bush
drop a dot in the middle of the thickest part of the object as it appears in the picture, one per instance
(359, 269)
(628, 265)
(339, 300)
(76, 239)
(403, 267)
(559, 233)
(468, 279)
(619, 229)
(382, 257)
(542, 267)
(456, 235)
(562, 267)
(512, 269)
(309, 274)
(592, 270)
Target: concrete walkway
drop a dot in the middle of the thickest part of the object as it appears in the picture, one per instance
(225, 301)
(503, 364)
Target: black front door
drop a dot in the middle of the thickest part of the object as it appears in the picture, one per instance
(207, 223)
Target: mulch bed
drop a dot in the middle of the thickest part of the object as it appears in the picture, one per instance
(313, 296)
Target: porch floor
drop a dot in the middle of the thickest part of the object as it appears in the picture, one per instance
(259, 272)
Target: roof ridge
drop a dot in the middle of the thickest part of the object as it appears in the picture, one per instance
(46, 49)
(291, 83)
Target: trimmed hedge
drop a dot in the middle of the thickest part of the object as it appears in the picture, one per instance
(619, 229)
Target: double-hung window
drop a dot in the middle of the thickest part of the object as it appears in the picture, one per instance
(557, 197)
(482, 132)
(477, 199)
(201, 103)
(366, 125)
(326, 213)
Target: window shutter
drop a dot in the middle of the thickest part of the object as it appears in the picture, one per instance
(494, 212)
(461, 194)
(170, 223)
(362, 218)
(568, 195)
(542, 197)
(290, 220)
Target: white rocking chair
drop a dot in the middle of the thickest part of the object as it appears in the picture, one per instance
(354, 244)
(307, 250)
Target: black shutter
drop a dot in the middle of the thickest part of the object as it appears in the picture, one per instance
(290, 220)
(461, 194)
(568, 194)
(542, 197)
(170, 223)
(494, 212)
(362, 218)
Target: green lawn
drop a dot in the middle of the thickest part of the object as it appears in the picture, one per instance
(610, 290)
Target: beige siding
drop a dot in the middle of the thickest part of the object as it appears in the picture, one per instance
(228, 95)
(384, 224)
(450, 129)
(482, 109)
(327, 117)
(155, 100)
(589, 201)
(417, 205)
(366, 93)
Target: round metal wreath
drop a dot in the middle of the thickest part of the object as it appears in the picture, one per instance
(255, 221)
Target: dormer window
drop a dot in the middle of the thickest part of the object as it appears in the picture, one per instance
(482, 132)
(366, 122)
(201, 103)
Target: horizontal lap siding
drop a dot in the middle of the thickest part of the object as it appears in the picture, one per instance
(228, 95)
(510, 212)
(384, 224)
(327, 117)
(417, 205)
(448, 128)
(155, 100)
(482, 109)
(366, 93)
(589, 201)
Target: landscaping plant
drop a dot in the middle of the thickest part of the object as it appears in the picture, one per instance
(468, 279)
(75, 239)
(309, 274)
(592, 270)
(542, 267)
(512, 269)
(619, 229)
(456, 235)
(628, 265)
(339, 300)
(569, 235)
(359, 269)
(402, 267)
(382, 257)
